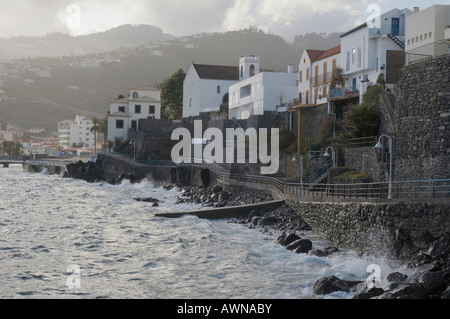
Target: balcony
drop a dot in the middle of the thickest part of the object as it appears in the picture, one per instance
(340, 93)
(315, 80)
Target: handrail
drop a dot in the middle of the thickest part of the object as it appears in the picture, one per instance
(415, 189)
(319, 172)
(388, 103)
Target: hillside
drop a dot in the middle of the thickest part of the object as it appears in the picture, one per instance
(87, 83)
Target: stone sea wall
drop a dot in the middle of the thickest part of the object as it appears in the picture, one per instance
(422, 121)
(394, 229)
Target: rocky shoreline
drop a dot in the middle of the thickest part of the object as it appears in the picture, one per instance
(430, 257)
(432, 261)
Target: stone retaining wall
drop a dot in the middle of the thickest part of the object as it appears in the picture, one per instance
(375, 228)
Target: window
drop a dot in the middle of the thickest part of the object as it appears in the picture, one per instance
(137, 109)
(325, 71)
(190, 102)
(122, 109)
(421, 37)
(135, 95)
(409, 41)
(347, 65)
(324, 91)
(252, 70)
(353, 56)
(242, 71)
(333, 65)
(119, 124)
(307, 74)
(151, 109)
(429, 34)
(218, 89)
(301, 76)
(425, 36)
(359, 57)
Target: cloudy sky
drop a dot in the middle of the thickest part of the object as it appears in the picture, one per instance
(286, 18)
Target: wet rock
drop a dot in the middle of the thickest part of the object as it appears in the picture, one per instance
(289, 238)
(433, 281)
(396, 277)
(304, 247)
(147, 199)
(366, 292)
(331, 284)
(267, 221)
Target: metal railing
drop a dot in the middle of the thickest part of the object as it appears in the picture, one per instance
(319, 172)
(359, 142)
(419, 189)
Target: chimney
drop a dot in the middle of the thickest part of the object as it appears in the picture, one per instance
(416, 9)
(290, 68)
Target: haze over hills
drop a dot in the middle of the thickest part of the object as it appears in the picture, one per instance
(42, 91)
(59, 44)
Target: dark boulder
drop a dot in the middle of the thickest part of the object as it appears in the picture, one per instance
(267, 221)
(396, 277)
(331, 284)
(304, 246)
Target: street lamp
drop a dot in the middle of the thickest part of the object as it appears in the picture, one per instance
(134, 149)
(301, 167)
(333, 153)
(380, 146)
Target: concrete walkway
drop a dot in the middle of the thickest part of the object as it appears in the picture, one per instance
(224, 212)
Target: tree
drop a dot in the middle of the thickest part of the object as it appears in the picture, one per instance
(172, 96)
(364, 119)
(94, 129)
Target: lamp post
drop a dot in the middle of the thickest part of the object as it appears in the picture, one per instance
(333, 153)
(301, 167)
(380, 146)
(134, 149)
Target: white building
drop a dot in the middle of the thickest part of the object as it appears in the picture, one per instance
(315, 73)
(257, 92)
(76, 132)
(428, 32)
(124, 114)
(205, 88)
(364, 48)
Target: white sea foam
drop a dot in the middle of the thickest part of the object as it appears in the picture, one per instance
(48, 223)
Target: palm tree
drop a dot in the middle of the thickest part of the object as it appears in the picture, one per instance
(118, 143)
(110, 145)
(95, 128)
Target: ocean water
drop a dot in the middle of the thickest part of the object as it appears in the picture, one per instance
(65, 238)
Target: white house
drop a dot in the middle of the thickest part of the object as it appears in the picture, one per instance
(124, 114)
(78, 131)
(364, 48)
(257, 92)
(205, 88)
(315, 73)
(428, 32)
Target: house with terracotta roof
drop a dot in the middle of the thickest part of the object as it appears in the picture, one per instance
(315, 73)
(205, 88)
(124, 114)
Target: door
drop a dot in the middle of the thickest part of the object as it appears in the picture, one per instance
(395, 26)
(354, 85)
